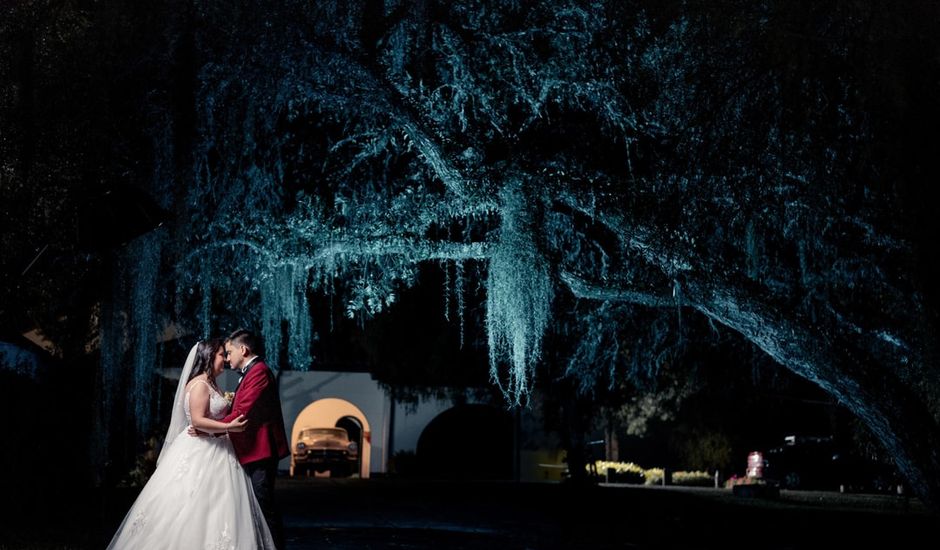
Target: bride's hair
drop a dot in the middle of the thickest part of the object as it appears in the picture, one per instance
(205, 351)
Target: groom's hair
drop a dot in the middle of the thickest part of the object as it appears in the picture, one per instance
(244, 337)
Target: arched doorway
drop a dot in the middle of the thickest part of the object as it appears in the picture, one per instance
(467, 442)
(353, 427)
(332, 412)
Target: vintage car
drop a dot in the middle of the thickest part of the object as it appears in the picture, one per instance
(322, 449)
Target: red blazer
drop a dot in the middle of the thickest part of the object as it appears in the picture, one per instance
(257, 398)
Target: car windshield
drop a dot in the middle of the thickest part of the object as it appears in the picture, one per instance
(323, 432)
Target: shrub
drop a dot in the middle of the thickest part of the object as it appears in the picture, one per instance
(743, 480)
(623, 472)
(654, 476)
(693, 479)
(628, 472)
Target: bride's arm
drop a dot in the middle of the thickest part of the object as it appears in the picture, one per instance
(199, 405)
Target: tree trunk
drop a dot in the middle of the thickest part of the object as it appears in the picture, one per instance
(611, 443)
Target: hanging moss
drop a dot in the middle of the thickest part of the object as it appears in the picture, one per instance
(145, 254)
(519, 297)
(284, 300)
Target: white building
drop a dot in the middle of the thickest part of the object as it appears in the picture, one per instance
(470, 435)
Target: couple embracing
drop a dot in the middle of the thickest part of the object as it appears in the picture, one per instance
(214, 482)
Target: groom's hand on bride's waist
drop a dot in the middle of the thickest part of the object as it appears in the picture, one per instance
(197, 433)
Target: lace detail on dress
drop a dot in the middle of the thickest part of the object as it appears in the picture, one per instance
(139, 521)
(182, 467)
(225, 541)
(218, 405)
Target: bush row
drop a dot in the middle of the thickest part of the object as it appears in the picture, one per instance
(628, 472)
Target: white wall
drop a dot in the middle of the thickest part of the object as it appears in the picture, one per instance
(410, 423)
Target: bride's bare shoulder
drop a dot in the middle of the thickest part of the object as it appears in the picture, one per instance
(196, 384)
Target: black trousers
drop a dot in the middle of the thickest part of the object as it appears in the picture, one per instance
(262, 474)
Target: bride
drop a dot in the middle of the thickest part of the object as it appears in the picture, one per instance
(199, 496)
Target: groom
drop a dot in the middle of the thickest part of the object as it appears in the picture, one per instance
(264, 441)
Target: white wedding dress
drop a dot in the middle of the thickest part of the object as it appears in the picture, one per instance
(199, 497)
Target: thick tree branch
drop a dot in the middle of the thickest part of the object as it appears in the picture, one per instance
(385, 97)
(888, 407)
(584, 289)
(639, 239)
(412, 249)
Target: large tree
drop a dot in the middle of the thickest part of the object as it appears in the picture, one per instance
(763, 164)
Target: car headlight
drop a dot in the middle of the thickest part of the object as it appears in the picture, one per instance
(301, 446)
(353, 448)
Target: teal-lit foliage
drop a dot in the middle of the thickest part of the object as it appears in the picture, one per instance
(759, 164)
(518, 295)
